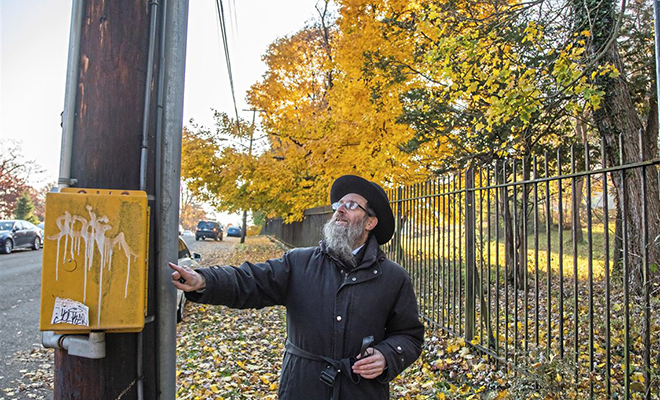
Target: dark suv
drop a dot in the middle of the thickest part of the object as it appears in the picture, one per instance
(208, 229)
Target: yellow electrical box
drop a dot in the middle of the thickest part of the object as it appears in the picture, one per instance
(95, 259)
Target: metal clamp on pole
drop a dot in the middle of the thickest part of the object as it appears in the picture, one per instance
(87, 346)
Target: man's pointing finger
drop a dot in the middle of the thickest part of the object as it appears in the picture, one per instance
(175, 267)
(178, 273)
(186, 279)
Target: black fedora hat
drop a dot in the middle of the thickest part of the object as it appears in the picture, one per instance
(376, 197)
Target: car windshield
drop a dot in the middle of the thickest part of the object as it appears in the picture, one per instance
(6, 225)
(206, 225)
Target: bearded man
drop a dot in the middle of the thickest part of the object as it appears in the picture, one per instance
(352, 318)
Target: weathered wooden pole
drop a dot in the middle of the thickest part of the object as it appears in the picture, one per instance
(106, 123)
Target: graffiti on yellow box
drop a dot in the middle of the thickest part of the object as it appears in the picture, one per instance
(95, 254)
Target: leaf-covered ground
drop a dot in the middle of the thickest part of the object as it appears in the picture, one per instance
(236, 354)
(36, 382)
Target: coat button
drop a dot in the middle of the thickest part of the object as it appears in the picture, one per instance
(398, 348)
(354, 279)
(375, 271)
(338, 317)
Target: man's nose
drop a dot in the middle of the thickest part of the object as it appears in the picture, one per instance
(339, 212)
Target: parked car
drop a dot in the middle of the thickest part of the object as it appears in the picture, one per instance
(187, 232)
(208, 229)
(234, 231)
(16, 234)
(186, 257)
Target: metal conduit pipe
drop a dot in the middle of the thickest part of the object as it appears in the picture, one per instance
(167, 191)
(71, 88)
(88, 346)
(153, 15)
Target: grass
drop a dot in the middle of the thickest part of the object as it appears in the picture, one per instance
(432, 247)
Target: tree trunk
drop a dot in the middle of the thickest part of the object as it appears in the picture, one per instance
(579, 193)
(507, 220)
(617, 253)
(581, 131)
(522, 219)
(617, 118)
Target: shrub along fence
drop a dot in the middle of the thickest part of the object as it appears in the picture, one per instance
(534, 261)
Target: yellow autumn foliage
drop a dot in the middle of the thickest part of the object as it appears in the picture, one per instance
(395, 91)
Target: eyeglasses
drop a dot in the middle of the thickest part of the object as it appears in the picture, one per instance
(350, 205)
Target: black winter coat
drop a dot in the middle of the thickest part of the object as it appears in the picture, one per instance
(329, 312)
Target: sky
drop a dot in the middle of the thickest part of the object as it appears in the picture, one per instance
(34, 42)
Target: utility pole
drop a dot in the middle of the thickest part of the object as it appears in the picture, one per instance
(254, 114)
(121, 97)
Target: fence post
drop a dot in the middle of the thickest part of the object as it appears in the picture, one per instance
(398, 248)
(470, 261)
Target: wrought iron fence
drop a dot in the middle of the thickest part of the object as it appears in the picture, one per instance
(524, 260)
(521, 259)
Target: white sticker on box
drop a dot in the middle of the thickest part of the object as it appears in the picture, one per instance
(67, 311)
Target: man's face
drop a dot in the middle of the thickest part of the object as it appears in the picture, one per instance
(348, 229)
(344, 216)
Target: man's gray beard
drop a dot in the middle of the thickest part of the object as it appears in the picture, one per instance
(341, 239)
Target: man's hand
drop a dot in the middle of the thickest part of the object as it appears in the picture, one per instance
(371, 366)
(186, 279)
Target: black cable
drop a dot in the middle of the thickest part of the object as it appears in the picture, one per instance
(223, 31)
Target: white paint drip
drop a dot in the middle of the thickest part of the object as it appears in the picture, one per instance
(92, 234)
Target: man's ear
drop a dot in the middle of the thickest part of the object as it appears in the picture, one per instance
(371, 223)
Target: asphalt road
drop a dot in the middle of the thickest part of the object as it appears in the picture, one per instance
(20, 287)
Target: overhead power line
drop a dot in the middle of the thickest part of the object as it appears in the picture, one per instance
(223, 33)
